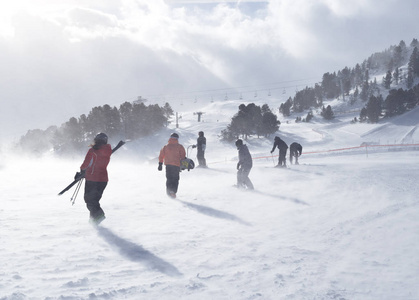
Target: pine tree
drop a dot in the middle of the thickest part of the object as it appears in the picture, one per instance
(125, 110)
(394, 103)
(265, 108)
(309, 116)
(410, 77)
(112, 121)
(412, 67)
(374, 109)
(285, 108)
(399, 55)
(327, 113)
(168, 112)
(250, 120)
(330, 85)
(396, 76)
(363, 115)
(356, 94)
(387, 80)
(74, 137)
(365, 91)
(358, 77)
(270, 123)
(415, 61)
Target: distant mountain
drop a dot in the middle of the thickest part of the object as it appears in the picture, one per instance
(384, 85)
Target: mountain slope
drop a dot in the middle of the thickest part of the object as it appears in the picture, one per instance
(334, 227)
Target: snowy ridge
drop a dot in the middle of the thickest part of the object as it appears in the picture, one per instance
(333, 227)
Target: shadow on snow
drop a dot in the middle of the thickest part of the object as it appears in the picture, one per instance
(213, 212)
(295, 200)
(137, 253)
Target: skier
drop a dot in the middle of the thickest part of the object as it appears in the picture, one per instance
(295, 151)
(282, 146)
(171, 154)
(244, 166)
(94, 170)
(201, 144)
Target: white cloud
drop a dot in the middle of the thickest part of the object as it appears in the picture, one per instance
(77, 53)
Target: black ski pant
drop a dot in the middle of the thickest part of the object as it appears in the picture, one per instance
(172, 178)
(243, 178)
(201, 158)
(282, 161)
(92, 194)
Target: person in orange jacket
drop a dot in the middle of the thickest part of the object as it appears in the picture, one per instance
(94, 170)
(171, 155)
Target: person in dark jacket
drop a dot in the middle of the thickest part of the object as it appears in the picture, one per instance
(295, 151)
(94, 169)
(283, 147)
(244, 166)
(201, 144)
(172, 154)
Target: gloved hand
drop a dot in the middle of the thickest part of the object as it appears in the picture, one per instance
(79, 175)
(272, 151)
(160, 166)
(238, 166)
(193, 146)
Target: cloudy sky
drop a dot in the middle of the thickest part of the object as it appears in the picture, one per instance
(58, 59)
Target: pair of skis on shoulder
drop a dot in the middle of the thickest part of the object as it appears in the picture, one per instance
(119, 145)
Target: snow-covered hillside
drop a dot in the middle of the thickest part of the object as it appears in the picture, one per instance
(341, 225)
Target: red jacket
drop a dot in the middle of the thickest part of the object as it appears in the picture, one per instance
(95, 163)
(172, 153)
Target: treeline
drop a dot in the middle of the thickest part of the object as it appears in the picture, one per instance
(353, 84)
(130, 121)
(396, 103)
(250, 120)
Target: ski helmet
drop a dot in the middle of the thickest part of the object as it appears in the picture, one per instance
(101, 138)
(239, 143)
(201, 133)
(174, 135)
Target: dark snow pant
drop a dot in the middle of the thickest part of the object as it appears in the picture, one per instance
(92, 194)
(172, 178)
(282, 161)
(243, 178)
(201, 158)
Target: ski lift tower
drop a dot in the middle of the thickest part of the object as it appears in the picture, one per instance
(199, 113)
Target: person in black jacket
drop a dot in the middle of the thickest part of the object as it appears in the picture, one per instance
(201, 144)
(295, 151)
(244, 166)
(283, 147)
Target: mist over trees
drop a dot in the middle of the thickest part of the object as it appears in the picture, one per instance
(130, 121)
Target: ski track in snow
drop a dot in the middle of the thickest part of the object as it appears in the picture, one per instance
(333, 227)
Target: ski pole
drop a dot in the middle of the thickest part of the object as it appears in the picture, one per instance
(187, 151)
(76, 192)
(273, 159)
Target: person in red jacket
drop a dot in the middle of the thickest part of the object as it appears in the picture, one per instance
(171, 154)
(96, 174)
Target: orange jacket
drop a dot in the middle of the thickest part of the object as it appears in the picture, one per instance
(172, 153)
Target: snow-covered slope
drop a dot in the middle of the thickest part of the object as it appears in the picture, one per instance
(334, 227)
